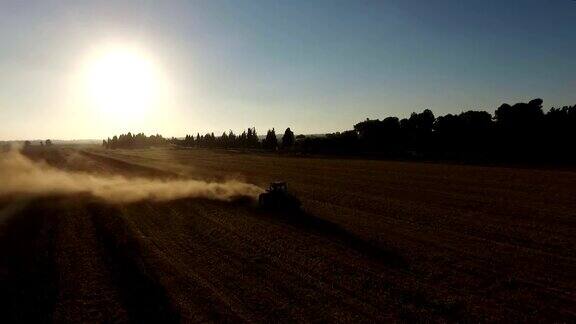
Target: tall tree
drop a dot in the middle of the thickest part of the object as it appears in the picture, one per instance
(288, 139)
(270, 142)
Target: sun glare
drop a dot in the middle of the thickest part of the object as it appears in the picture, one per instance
(122, 83)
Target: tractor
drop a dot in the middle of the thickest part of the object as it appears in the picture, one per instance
(277, 197)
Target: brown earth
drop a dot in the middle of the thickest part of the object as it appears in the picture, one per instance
(377, 241)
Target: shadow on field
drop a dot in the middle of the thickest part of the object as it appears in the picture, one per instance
(28, 279)
(310, 223)
(143, 296)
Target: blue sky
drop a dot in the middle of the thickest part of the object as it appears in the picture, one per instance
(314, 66)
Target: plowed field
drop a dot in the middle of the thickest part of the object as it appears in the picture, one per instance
(376, 241)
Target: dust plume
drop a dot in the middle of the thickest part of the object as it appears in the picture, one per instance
(21, 176)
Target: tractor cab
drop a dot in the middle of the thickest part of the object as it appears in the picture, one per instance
(278, 186)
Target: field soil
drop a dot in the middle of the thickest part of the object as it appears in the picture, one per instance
(376, 241)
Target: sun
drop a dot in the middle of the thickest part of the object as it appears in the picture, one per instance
(122, 83)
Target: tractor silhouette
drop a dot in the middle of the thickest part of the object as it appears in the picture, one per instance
(277, 197)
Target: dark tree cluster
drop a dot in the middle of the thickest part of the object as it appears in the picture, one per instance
(271, 141)
(288, 139)
(248, 139)
(519, 132)
(134, 141)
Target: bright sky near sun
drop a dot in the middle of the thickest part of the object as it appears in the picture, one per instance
(91, 69)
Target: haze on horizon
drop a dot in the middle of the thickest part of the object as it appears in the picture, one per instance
(92, 69)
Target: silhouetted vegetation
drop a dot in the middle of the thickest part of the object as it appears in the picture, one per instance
(288, 139)
(248, 139)
(134, 141)
(516, 133)
(270, 143)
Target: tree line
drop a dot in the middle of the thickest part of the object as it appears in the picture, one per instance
(134, 141)
(247, 139)
(519, 132)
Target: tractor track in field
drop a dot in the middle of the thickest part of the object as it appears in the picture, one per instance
(144, 298)
(309, 272)
(86, 289)
(194, 297)
(398, 281)
(28, 275)
(133, 168)
(209, 248)
(259, 255)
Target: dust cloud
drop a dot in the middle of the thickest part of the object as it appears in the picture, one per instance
(21, 176)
